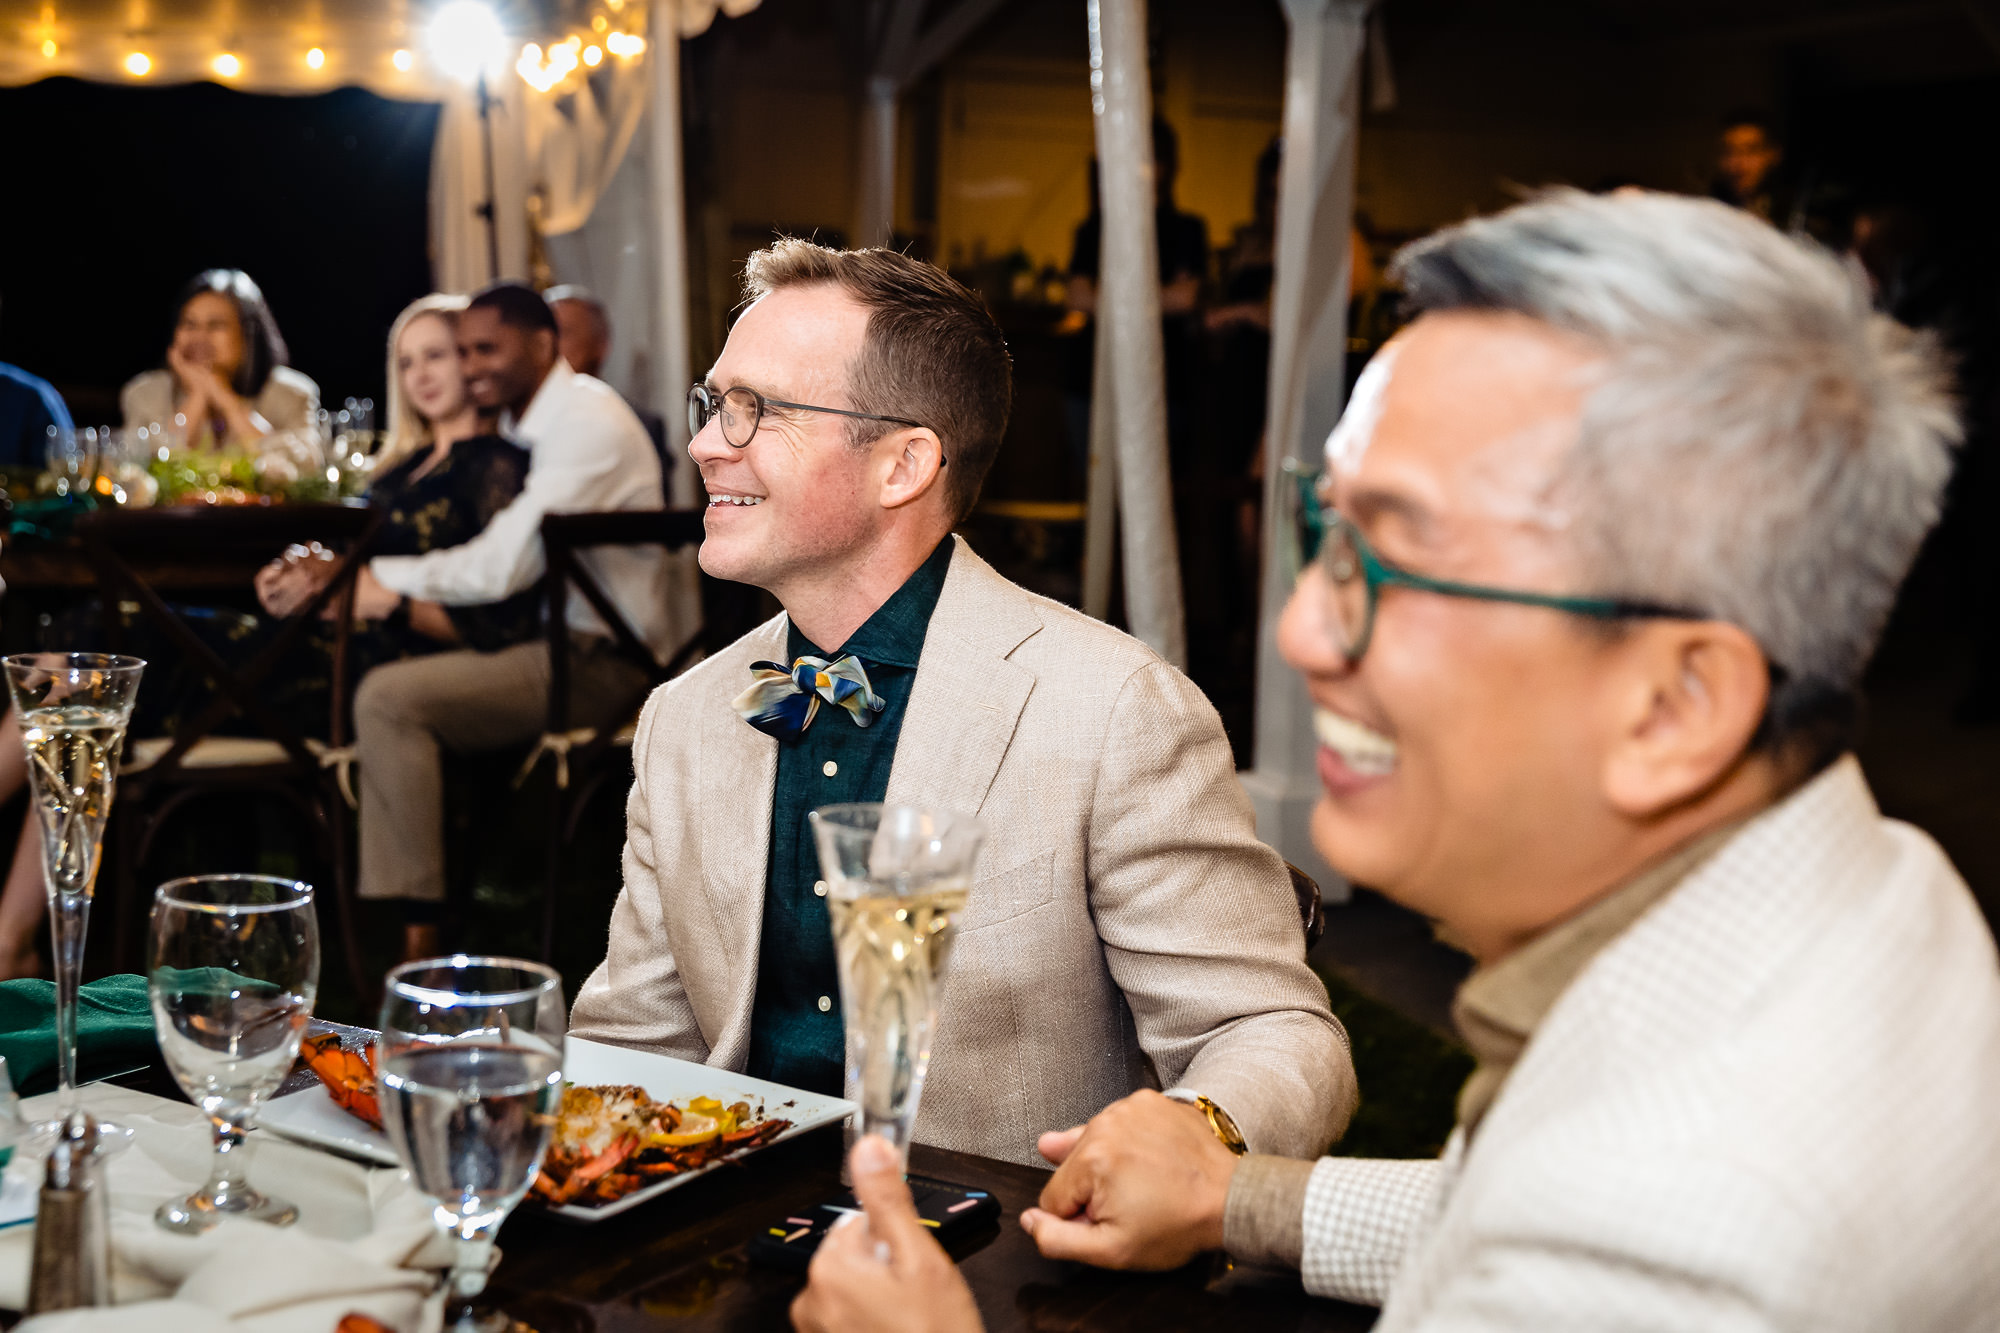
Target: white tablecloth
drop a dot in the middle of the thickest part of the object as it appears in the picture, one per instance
(364, 1240)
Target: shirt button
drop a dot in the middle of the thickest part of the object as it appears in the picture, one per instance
(819, 888)
(829, 768)
(825, 1003)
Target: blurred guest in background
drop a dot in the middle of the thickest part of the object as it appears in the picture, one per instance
(29, 407)
(226, 380)
(1747, 161)
(587, 452)
(1612, 531)
(439, 479)
(583, 337)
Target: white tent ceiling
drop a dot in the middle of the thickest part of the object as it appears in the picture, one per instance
(270, 45)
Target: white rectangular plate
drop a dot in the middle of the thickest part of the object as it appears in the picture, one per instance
(312, 1117)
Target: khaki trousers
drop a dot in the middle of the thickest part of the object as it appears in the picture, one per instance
(406, 714)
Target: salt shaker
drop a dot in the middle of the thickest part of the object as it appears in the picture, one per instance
(72, 1263)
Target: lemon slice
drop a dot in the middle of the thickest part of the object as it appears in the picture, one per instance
(694, 1129)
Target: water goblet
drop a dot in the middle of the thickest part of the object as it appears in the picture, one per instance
(74, 708)
(471, 1078)
(897, 877)
(233, 971)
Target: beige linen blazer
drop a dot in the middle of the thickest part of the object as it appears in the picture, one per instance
(1772, 1103)
(1125, 927)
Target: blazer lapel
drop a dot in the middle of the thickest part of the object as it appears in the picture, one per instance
(735, 770)
(968, 697)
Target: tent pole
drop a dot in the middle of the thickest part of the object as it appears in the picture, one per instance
(1100, 513)
(877, 221)
(486, 210)
(673, 358)
(1129, 299)
(1307, 387)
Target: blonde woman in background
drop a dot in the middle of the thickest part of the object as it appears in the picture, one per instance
(439, 479)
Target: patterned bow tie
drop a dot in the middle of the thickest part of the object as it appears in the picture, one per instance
(784, 703)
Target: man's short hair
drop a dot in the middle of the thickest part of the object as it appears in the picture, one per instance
(515, 303)
(1758, 445)
(933, 354)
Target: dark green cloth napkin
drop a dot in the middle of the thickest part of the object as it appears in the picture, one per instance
(114, 1026)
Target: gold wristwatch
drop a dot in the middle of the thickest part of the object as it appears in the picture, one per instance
(1219, 1121)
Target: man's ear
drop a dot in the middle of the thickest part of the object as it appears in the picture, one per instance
(1694, 694)
(912, 463)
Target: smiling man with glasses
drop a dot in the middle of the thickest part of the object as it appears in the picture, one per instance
(1125, 928)
(1610, 533)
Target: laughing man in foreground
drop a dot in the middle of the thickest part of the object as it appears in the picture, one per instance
(1610, 534)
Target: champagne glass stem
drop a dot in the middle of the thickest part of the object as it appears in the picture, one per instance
(69, 918)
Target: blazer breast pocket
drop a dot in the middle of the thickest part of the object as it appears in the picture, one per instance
(1009, 893)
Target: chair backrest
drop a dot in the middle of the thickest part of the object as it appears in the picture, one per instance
(564, 537)
(140, 554)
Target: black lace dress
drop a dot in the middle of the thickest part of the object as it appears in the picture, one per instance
(445, 506)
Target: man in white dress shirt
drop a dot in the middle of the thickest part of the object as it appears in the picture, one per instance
(1611, 532)
(587, 452)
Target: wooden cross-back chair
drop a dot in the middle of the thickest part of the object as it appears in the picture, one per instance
(141, 554)
(584, 757)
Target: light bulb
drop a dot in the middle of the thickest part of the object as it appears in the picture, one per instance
(592, 56)
(227, 65)
(138, 64)
(315, 58)
(402, 60)
(49, 49)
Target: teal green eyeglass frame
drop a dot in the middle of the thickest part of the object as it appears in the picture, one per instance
(1326, 535)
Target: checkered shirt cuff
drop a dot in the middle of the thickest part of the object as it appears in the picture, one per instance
(1360, 1217)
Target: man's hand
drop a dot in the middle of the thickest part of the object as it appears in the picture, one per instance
(289, 582)
(1143, 1185)
(883, 1271)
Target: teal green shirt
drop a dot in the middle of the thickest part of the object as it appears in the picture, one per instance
(796, 1036)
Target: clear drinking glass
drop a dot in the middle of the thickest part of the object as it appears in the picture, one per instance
(897, 877)
(74, 708)
(233, 970)
(471, 1077)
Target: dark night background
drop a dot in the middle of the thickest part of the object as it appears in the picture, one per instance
(119, 195)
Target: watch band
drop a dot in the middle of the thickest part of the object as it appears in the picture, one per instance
(1219, 1121)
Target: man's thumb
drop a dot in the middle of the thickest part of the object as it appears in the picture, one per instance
(877, 1170)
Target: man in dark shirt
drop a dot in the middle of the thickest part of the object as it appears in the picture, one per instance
(29, 406)
(1124, 926)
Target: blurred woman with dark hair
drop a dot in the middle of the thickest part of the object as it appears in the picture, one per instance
(225, 381)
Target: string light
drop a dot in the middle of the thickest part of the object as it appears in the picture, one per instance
(315, 58)
(592, 56)
(49, 49)
(227, 65)
(138, 64)
(599, 23)
(624, 45)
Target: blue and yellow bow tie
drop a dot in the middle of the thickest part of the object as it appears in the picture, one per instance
(784, 703)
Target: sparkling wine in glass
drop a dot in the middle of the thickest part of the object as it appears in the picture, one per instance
(471, 1078)
(897, 878)
(73, 710)
(233, 970)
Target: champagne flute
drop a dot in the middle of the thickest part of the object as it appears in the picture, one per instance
(897, 877)
(471, 1078)
(74, 708)
(233, 970)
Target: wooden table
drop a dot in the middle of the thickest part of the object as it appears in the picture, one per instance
(679, 1261)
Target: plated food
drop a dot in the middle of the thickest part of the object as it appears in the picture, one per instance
(611, 1140)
